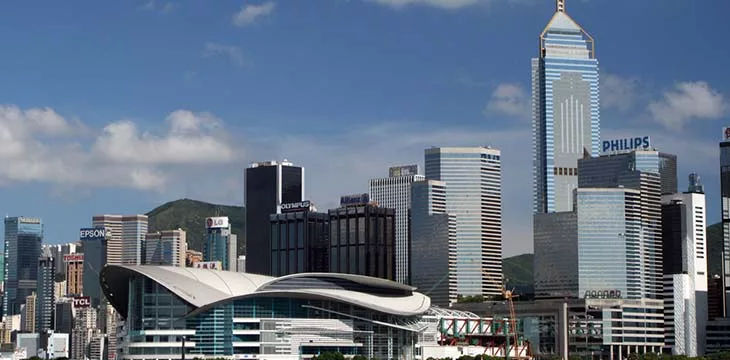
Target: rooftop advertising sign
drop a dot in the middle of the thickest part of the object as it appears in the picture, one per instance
(92, 233)
(406, 170)
(626, 145)
(217, 222)
(355, 200)
(296, 206)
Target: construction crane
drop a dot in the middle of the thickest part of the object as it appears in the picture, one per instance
(508, 295)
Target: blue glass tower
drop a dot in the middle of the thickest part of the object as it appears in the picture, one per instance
(23, 237)
(565, 110)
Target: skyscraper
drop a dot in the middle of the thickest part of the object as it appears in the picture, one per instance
(74, 273)
(725, 213)
(473, 177)
(432, 241)
(94, 242)
(266, 186)
(23, 238)
(565, 110)
(113, 226)
(166, 248)
(394, 192)
(299, 240)
(45, 299)
(220, 244)
(134, 228)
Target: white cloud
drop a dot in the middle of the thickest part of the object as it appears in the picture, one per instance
(442, 4)
(510, 99)
(39, 145)
(234, 53)
(619, 92)
(250, 13)
(686, 102)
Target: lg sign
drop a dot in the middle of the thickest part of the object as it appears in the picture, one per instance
(217, 222)
(94, 233)
(82, 302)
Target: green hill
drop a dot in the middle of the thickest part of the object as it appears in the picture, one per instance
(190, 215)
(517, 271)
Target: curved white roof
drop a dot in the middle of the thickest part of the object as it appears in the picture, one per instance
(204, 288)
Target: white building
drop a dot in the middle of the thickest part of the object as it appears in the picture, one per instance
(166, 247)
(473, 177)
(394, 192)
(685, 271)
(113, 226)
(126, 243)
(241, 263)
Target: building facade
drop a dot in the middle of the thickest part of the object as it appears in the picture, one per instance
(685, 273)
(94, 241)
(668, 173)
(114, 246)
(394, 192)
(432, 240)
(725, 205)
(227, 314)
(555, 244)
(45, 292)
(74, 273)
(220, 244)
(267, 185)
(299, 240)
(23, 238)
(58, 251)
(362, 241)
(134, 228)
(166, 247)
(565, 110)
(474, 196)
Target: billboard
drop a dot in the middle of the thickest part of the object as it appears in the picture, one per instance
(216, 222)
(626, 145)
(726, 134)
(602, 294)
(73, 257)
(93, 233)
(82, 302)
(295, 206)
(354, 200)
(210, 265)
(405, 170)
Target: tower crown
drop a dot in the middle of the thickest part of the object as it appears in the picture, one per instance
(560, 6)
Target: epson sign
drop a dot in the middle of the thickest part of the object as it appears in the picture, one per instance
(93, 233)
(626, 145)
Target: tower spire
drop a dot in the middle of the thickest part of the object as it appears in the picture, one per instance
(560, 6)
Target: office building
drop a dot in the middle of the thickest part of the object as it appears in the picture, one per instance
(83, 332)
(685, 272)
(192, 257)
(113, 226)
(60, 289)
(668, 173)
(134, 228)
(45, 300)
(166, 248)
(74, 273)
(565, 110)
(23, 238)
(715, 297)
(29, 313)
(94, 241)
(638, 170)
(220, 305)
(54, 345)
(473, 177)
(362, 239)
(220, 244)
(267, 185)
(299, 240)
(241, 263)
(58, 251)
(99, 348)
(555, 244)
(394, 192)
(63, 318)
(725, 204)
(432, 242)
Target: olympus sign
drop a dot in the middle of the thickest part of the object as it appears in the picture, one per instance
(296, 206)
(93, 233)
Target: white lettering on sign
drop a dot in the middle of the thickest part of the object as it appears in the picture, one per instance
(92, 233)
(217, 222)
(82, 302)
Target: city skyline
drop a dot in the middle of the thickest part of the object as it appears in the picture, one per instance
(448, 91)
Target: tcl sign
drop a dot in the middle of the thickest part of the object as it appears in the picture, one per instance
(82, 302)
(93, 233)
(216, 222)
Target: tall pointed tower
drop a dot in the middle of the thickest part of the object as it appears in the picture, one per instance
(565, 110)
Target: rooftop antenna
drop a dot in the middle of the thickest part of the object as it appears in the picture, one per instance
(561, 6)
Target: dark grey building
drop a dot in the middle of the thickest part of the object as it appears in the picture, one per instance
(267, 185)
(45, 293)
(94, 243)
(724, 258)
(555, 241)
(668, 173)
(23, 238)
(63, 318)
(362, 240)
(299, 240)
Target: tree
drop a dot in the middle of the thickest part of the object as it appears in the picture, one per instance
(331, 356)
(359, 357)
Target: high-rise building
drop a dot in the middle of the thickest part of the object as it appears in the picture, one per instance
(725, 213)
(638, 170)
(45, 293)
(267, 185)
(715, 297)
(83, 332)
(299, 240)
(64, 316)
(241, 263)
(23, 238)
(556, 256)
(220, 244)
(74, 273)
(432, 242)
(565, 110)
(394, 192)
(668, 173)
(362, 239)
(113, 226)
(134, 228)
(58, 251)
(94, 241)
(29, 323)
(685, 272)
(473, 177)
(166, 248)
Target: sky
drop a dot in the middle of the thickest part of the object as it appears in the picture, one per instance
(118, 107)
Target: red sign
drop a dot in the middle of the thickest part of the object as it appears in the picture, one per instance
(73, 257)
(82, 302)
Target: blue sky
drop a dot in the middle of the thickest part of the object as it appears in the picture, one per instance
(117, 107)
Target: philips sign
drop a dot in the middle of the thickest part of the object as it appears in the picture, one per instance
(296, 206)
(626, 145)
(92, 233)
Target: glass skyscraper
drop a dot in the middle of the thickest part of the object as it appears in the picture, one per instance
(23, 238)
(220, 244)
(565, 110)
(725, 204)
(473, 177)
